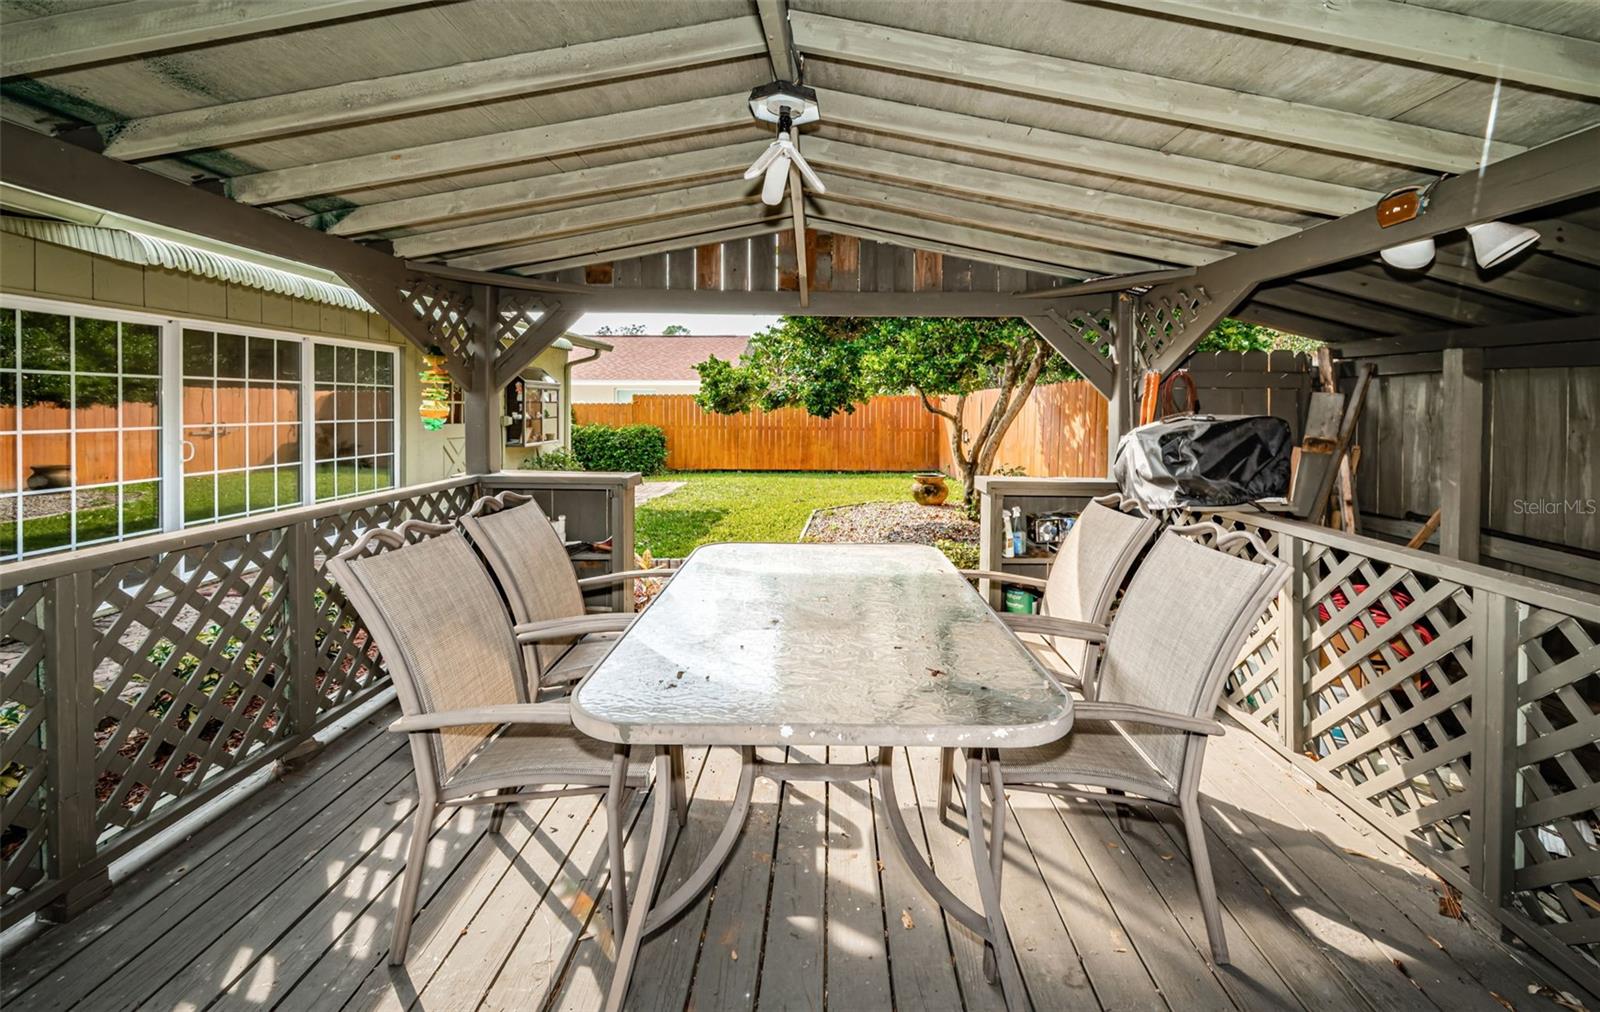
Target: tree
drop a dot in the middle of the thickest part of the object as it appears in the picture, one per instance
(627, 331)
(673, 330)
(831, 365)
(1236, 335)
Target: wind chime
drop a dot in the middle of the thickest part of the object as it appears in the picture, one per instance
(434, 406)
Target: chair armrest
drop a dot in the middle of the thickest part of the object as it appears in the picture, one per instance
(1101, 710)
(999, 577)
(630, 574)
(1047, 625)
(506, 713)
(578, 625)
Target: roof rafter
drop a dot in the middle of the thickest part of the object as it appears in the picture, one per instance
(566, 221)
(535, 191)
(408, 94)
(633, 126)
(927, 239)
(602, 239)
(779, 45)
(78, 37)
(1400, 31)
(1010, 187)
(673, 244)
(1161, 98)
(1090, 154)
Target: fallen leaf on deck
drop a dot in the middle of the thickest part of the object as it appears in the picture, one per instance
(934, 672)
(1166, 857)
(1502, 1001)
(581, 903)
(1450, 903)
(905, 919)
(1561, 998)
(880, 865)
(734, 955)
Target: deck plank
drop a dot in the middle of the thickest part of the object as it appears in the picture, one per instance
(857, 950)
(922, 968)
(792, 952)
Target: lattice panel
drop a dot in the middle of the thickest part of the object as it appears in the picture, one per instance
(190, 656)
(514, 318)
(348, 661)
(1162, 320)
(1095, 330)
(1388, 691)
(1557, 879)
(444, 311)
(23, 764)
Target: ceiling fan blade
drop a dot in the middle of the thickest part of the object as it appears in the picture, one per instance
(812, 179)
(777, 179)
(760, 165)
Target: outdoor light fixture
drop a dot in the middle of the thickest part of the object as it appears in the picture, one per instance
(1410, 256)
(788, 105)
(1494, 241)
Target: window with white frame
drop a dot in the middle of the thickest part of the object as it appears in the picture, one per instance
(97, 445)
(79, 428)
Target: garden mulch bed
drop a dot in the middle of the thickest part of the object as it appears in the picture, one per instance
(892, 522)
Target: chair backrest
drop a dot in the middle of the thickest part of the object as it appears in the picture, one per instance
(436, 616)
(529, 562)
(1177, 634)
(1089, 567)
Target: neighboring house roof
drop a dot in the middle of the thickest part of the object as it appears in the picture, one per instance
(657, 358)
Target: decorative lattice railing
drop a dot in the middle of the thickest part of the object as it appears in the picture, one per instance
(140, 679)
(1455, 707)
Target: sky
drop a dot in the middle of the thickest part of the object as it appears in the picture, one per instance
(705, 324)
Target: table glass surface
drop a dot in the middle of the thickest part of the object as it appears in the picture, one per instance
(773, 644)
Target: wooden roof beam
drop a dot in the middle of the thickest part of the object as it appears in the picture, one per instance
(774, 16)
(1103, 87)
(220, 126)
(77, 37)
(535, 254)
(926, 241)
(1091, 154)
(537, 191)
(1400, 31)
(668, 245)
(634, 126)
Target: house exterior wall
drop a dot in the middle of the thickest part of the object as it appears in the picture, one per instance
(621, 391)
(45, 270)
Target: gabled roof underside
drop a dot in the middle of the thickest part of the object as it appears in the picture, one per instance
(1065, 140)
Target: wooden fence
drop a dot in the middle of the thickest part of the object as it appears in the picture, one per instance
(886, 434)
(1060, 432)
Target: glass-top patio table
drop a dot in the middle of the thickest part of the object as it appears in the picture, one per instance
(774, 645)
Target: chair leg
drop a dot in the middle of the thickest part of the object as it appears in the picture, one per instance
(947, 778)
(680, 787)
(411, 877)
(1195, 828)
(999, 959)
(619, 869)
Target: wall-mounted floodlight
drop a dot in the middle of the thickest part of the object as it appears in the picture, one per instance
(1494, 241)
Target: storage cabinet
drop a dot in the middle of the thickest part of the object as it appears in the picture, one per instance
(1034, 496)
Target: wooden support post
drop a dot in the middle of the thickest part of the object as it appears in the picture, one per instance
(1125, 379)
(1496, 667)
(485, 436)
(1293, 630)
(302, 589)
(1461, 470)
(69, 745)
(621, 506)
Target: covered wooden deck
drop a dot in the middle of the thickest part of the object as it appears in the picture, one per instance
(286, 904)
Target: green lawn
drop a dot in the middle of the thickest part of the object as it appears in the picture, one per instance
(754, 505)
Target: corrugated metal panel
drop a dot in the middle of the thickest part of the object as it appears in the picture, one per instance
(149, 251)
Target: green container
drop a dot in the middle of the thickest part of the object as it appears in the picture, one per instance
(1021, 601)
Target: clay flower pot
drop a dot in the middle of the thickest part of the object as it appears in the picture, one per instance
(929, 489)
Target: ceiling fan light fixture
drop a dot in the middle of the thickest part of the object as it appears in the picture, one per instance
(769, 103)
(1410, 256)
(1495, 241)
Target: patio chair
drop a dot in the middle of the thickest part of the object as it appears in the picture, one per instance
(1090, 567)
(529, 562)
(453, 656)
(1178, 632)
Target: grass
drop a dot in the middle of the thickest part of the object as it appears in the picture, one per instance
(755, 505)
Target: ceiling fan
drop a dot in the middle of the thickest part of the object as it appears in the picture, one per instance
(788, 105)
(782, 166)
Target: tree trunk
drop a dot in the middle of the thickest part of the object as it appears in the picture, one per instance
(1017, 382)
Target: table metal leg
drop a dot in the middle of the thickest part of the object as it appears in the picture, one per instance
(988, 854)
(655, 858)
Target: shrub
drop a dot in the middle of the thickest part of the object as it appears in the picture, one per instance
(640, 448)
(962, 554)
(552, 460)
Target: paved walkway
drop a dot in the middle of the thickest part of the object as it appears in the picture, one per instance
(647, 490)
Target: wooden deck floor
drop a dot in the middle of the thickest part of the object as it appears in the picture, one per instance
(289, 907)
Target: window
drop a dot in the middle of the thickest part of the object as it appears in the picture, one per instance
(241, 425)
(79, 429)
(96, 445)
(354, 416)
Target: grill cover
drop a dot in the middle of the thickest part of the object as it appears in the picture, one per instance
(1205, 460)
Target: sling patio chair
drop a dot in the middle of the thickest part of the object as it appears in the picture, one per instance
(1178, 632)
(453, 655)
(1089, 569)
(529, 562)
